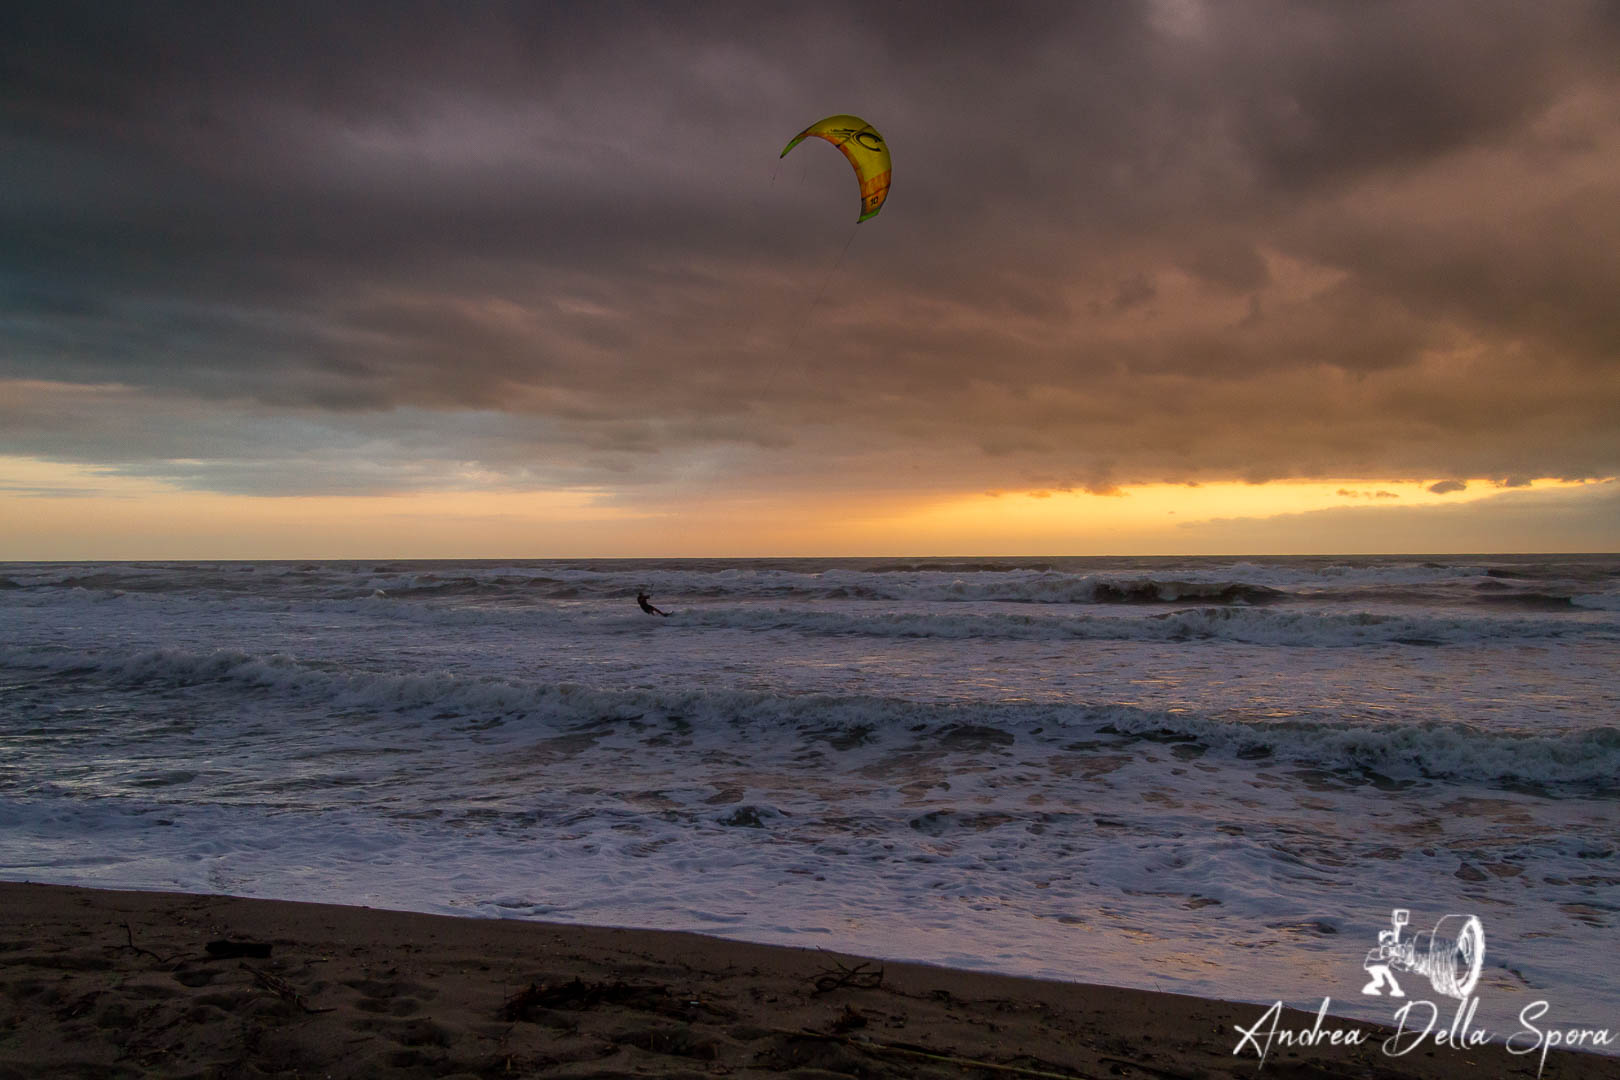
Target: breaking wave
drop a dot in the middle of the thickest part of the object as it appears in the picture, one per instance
(1400, 750)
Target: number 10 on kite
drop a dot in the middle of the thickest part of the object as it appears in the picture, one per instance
(867, 152)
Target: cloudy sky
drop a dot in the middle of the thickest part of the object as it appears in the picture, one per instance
(480, 279)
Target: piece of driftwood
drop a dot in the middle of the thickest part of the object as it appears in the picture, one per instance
(129, 933)
(861, 976)
(281, 988)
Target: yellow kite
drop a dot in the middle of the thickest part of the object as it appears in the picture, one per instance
(865, 149)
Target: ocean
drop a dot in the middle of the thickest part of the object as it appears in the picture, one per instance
(1215, 776)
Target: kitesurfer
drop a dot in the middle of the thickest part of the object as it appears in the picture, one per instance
(641, 598)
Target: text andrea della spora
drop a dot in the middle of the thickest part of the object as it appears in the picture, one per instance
(1416, 1025)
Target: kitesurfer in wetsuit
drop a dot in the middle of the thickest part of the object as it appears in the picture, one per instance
(641, 598)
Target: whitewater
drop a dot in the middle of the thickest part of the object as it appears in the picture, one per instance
(1210, 776)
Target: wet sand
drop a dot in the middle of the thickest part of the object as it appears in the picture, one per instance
(123, 984)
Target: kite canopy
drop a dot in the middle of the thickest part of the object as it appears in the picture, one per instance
(865, 149)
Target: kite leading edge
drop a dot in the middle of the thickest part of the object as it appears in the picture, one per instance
(867, 152)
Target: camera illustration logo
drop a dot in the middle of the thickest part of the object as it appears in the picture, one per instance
(1450, 956)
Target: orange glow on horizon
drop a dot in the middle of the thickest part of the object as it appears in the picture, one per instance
(69, 512)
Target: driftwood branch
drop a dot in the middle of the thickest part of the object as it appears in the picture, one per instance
(862, 976)
(281, 988)
(129, 933)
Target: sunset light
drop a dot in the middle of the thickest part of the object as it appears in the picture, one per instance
(853, 538)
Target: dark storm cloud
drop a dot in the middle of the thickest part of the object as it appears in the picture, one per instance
(1126, 242)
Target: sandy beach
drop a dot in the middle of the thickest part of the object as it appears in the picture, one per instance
(124, 984)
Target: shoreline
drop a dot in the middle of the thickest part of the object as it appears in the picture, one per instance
(121, 984)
